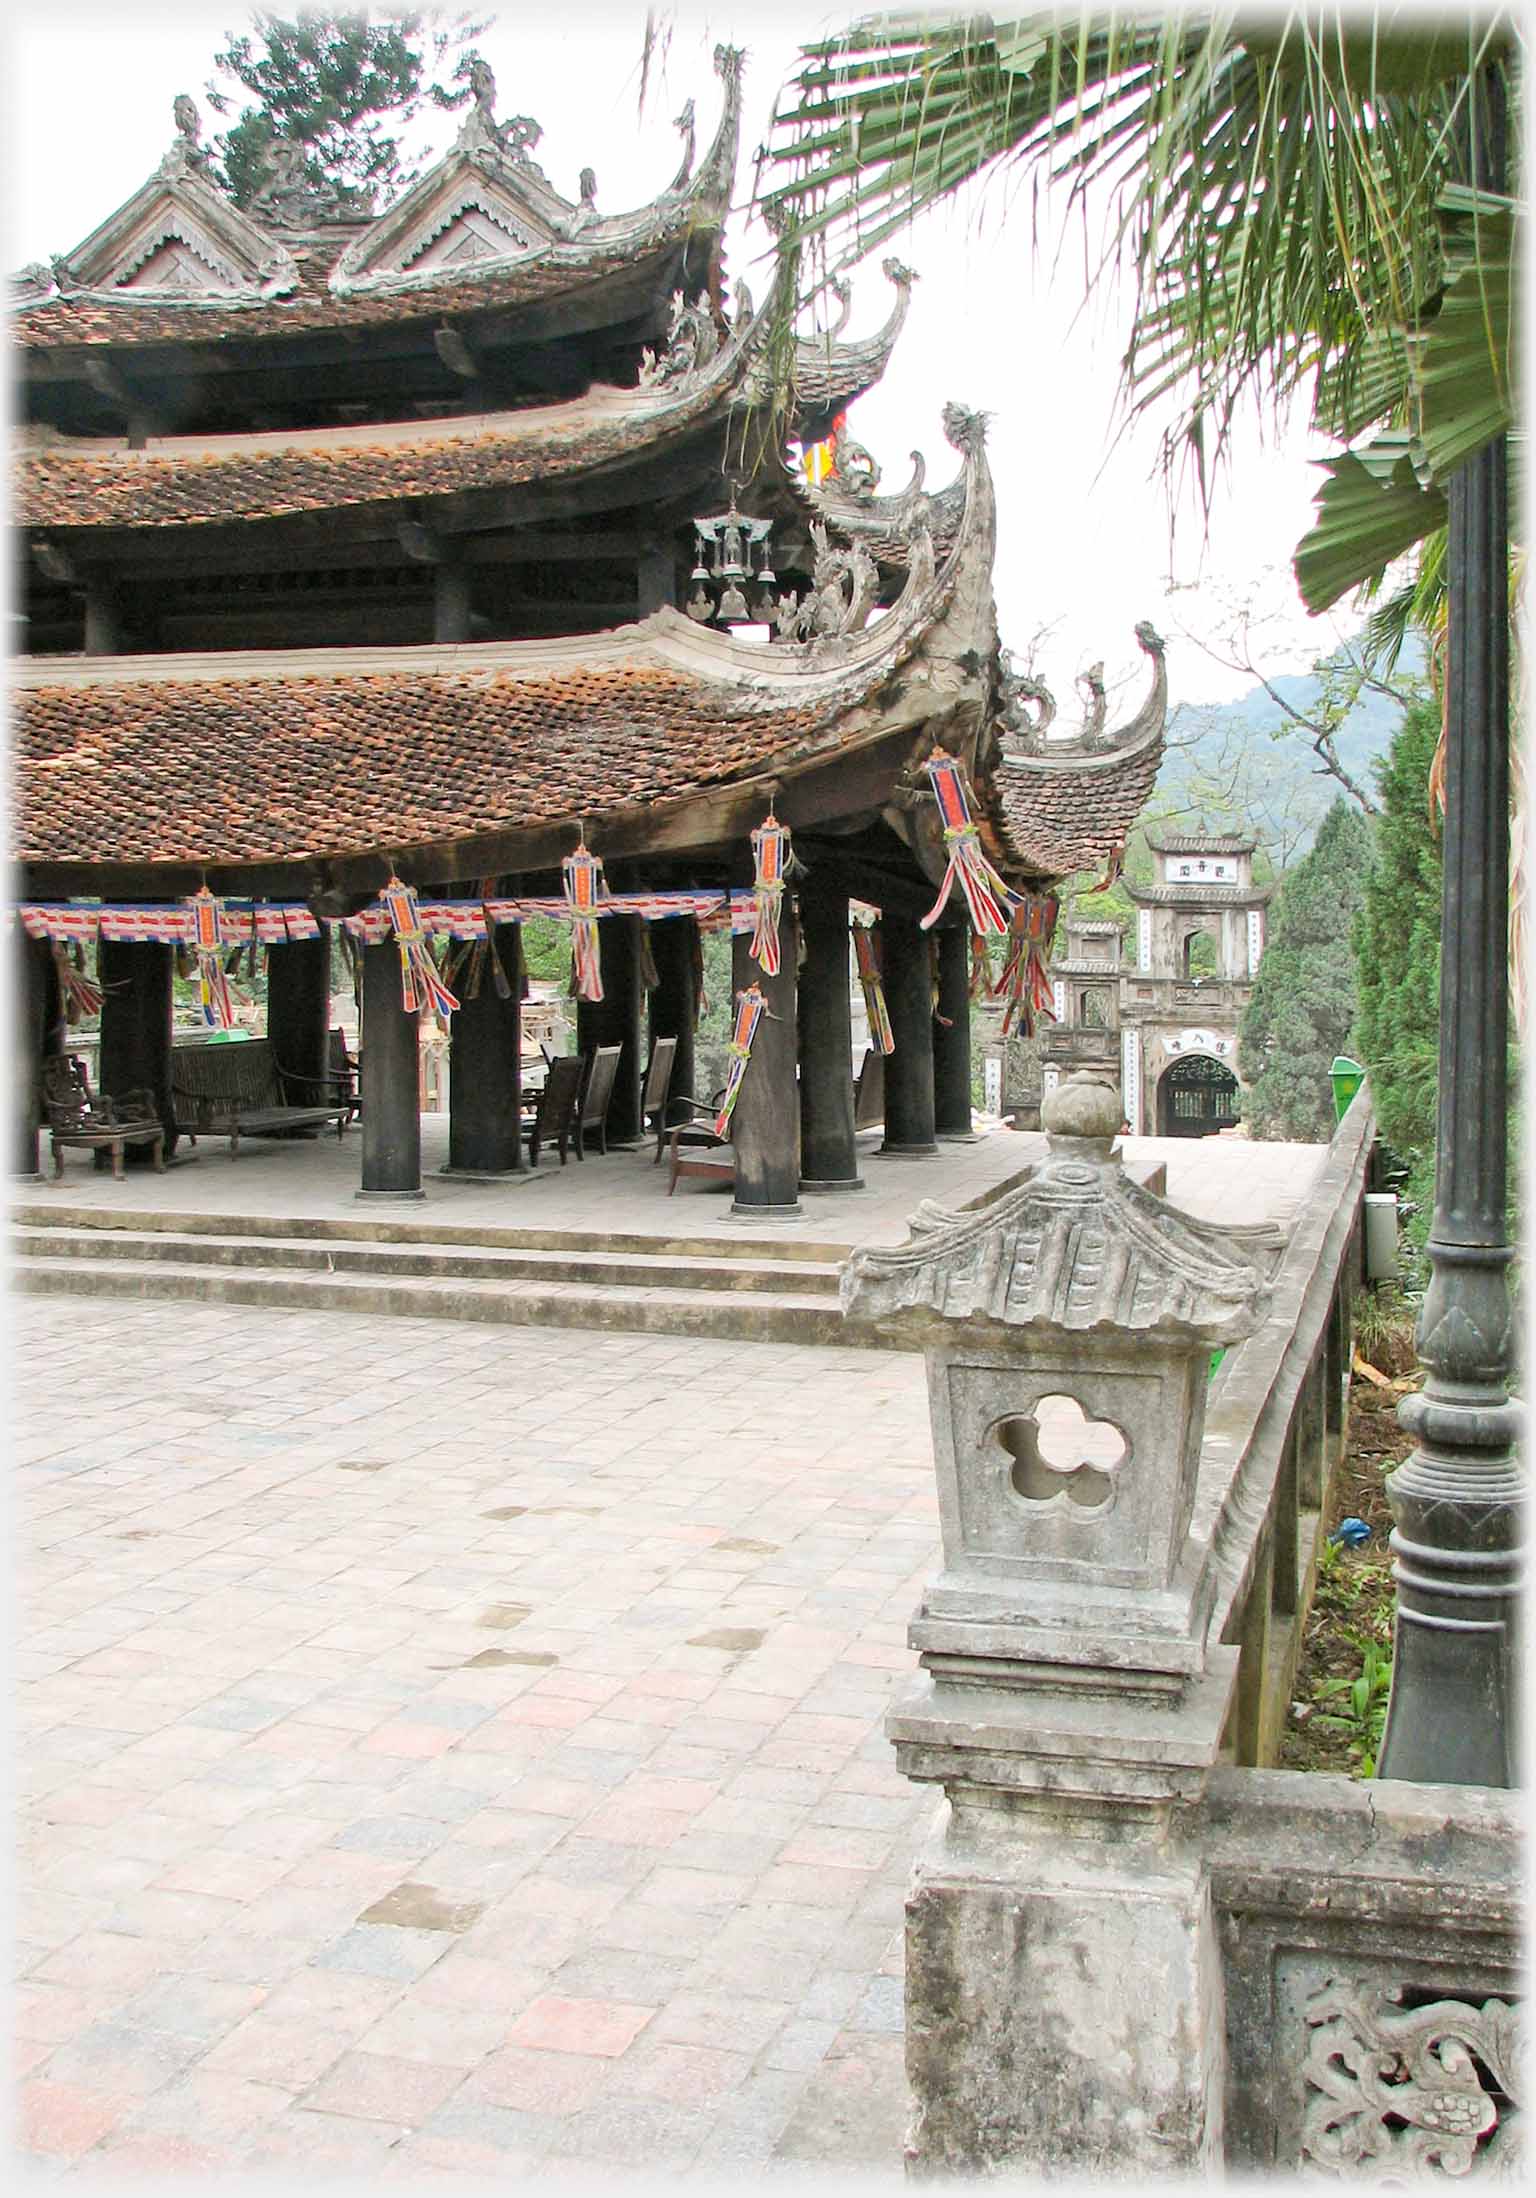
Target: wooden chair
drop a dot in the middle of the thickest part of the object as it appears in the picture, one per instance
(695, 1146)
(658, 1082)
(869, 1092)
(75, 1117)
(342, 1075)
(602, 1066)
(554, 1118)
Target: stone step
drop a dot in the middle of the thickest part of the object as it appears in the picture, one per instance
(750, 1315)
(448, 1262)
(786, 1246)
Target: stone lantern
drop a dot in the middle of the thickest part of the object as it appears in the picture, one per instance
(1059, 1958)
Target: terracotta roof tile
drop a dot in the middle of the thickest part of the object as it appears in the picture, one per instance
(1077, 815)
(273, 769)
(206, 485)
(65, 323)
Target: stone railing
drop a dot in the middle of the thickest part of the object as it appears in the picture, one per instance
(1129, 1951)
(1274, 1432)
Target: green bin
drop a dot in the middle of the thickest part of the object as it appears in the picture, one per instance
(1346, 1076)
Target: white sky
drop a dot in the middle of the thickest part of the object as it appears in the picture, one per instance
(1084, 545)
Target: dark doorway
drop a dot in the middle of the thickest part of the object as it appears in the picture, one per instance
(1195, 1097)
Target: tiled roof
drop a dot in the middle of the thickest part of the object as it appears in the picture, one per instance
(237, 770)
(266, 476)
(1075, 816)
(63, 323)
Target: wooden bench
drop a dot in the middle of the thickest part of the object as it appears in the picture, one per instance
(238, 1089)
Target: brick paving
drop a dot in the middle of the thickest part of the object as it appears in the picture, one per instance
(449, 1749)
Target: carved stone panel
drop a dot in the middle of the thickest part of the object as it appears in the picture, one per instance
(1392, 2083)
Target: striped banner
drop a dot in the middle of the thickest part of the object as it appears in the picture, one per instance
(770, 860)
(868, 959)
(750, 1010)
(987, 896)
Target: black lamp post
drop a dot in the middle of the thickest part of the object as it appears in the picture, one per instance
(1457, 1501)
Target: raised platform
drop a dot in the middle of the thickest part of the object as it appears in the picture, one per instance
(596, 1244)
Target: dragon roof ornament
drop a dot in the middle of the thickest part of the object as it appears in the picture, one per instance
(1027, 738)
(179, 239)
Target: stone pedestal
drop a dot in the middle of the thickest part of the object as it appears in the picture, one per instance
(1064, 2004)
(1063, 1986)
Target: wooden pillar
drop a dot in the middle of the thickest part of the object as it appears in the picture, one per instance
(136, 1032)
(103, 618)
(390, 1073)
(952, 1037)
(766, 1123)
(909, 1117)
(485, 1072)
(299, 1013)
(450, 600)
(675, 1003)
(656, 584)
(615, 1020)
(36, 1009)
(828, 1154)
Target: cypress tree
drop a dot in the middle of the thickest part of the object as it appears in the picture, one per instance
(1302, 1010)
(1397, 943)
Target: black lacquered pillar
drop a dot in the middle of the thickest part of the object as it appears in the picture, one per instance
(828, 1154)
(391, 1082)
(135, 977)
(765, 1127)
(952, 1035)
(485, 1067)
(674, 1002)
(35, 1004)
(1458, 1500)
(615, 1020)
(909, 1108)
(299, 1012)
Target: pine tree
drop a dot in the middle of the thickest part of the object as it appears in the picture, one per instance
(343, 87)
(1302, 1011)
(1397, 943)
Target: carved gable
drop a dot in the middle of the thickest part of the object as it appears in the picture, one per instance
(468, 213)
(178, 238)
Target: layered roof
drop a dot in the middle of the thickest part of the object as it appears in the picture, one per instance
(179, 262)
(268, 758)
(63, 483)
(1060, 806)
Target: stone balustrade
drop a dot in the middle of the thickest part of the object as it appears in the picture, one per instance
(1131, 1949)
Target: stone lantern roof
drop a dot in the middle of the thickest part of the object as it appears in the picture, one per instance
(1078, 1248)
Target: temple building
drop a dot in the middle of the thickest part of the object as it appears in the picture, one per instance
(1166, 1027)
(390, 578)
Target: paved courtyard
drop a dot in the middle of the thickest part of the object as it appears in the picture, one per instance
(459, 1749)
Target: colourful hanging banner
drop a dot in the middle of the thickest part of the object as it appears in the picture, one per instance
(980, 987)
(1025, 983)
(583, 873)
(80, 996)
(420, 984)
(770, 862)
(210, 934)
(750, 1009)
(874, 991)
(987, 897)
